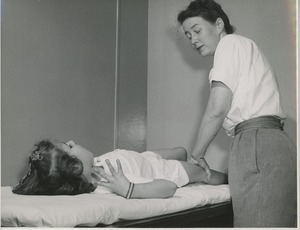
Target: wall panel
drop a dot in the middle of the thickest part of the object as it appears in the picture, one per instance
(132, 86)
(58, 67)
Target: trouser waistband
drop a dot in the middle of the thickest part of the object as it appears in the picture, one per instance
(267, 122)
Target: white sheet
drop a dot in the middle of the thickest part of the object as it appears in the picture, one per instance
(91, 209)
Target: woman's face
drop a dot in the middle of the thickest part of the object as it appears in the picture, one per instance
(203, 35)
(85, 156)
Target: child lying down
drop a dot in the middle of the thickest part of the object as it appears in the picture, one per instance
(58, 168)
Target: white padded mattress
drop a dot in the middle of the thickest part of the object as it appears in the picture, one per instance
(105, 208)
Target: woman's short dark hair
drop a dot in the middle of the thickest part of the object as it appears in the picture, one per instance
(208, 10)
(52, 171)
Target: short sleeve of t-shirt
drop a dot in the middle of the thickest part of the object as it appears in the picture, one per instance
(227, 61)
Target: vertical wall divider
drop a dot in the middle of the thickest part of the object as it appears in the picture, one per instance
(116, 95)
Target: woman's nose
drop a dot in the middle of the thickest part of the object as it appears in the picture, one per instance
(194, 40)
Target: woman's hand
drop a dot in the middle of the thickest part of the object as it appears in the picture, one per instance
(203, 164)
(116, 182)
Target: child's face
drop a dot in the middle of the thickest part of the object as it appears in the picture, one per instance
(85, 156)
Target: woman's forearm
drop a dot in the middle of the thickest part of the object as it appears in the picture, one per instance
(208, 130)
(216, 110)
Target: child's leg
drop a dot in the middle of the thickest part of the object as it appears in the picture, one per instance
(197, 174)
(178, 153)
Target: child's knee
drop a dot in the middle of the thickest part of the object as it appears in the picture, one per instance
(181, 153)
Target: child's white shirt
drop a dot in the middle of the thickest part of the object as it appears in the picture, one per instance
(144, 167)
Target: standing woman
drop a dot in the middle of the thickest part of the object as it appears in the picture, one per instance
(244, 98)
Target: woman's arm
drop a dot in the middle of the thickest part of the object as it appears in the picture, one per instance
(119, 184)
(216, 110)
(219, 103)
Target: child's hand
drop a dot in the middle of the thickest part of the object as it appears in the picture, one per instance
(116, 182)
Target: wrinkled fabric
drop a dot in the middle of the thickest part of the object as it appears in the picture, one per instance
(144, 167)
(241, 65)
(263, 179)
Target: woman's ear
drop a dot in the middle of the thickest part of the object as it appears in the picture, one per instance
(220, 25)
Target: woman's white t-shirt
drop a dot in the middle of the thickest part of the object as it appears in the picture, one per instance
(243, 68)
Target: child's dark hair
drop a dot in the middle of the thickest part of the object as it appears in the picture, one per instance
(208, 10)
(52, 171)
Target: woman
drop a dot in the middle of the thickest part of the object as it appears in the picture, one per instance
(57, 168)
(244, 98)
